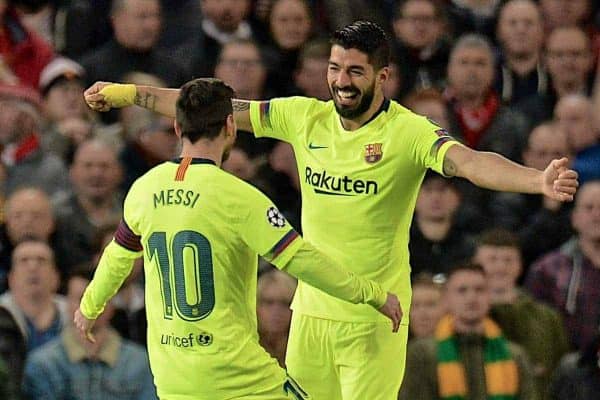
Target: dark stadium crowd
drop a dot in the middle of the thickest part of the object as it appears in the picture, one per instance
(517, 77)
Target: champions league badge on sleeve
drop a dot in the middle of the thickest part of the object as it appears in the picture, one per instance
(373, 152)
(275, 218)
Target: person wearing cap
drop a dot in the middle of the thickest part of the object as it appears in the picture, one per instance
(26, 162)
(69, 120)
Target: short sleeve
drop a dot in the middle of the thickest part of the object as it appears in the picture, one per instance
(279, 118)
(267, 232)
(128, 233)
(430, 144)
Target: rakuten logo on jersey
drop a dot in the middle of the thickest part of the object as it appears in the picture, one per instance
(323, 183)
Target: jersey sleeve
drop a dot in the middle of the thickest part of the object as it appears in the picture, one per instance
(267, 232)
(279, 118)
(430, 144)
(116, 262)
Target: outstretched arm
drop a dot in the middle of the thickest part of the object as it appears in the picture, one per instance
(493, 171)
(102, 96)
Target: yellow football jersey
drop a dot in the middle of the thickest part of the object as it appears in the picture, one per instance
(359, 190)
(200, 231)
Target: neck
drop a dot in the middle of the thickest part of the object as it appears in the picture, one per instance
(97, 208)
(434, 229)
(591, 249)
(503, 295)
(568, 87)
(461, 326)
(523, 63)
(211, 150)
(40, 310)
(467, 101)
(355, 123)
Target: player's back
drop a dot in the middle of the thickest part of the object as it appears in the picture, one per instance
(200, 281)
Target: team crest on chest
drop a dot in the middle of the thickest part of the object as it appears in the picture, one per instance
(373, 152)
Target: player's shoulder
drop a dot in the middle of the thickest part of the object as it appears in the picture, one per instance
(401, 115)
(302, 106)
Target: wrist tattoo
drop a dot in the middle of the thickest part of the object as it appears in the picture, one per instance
(240, 105)
(145, 100)
(450, 167)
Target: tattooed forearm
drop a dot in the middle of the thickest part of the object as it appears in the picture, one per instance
(240, 105)
(450, 168)
(146, 100)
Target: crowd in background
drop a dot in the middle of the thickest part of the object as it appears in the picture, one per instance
(517, 77)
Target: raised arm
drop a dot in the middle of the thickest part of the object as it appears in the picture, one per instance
(493, 171)
(102, 96)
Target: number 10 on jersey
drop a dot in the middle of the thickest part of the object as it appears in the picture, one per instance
(174, 280)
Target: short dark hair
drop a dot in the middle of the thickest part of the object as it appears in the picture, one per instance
(499, 237)
(465, 267)
(367, 37)
(203, 107)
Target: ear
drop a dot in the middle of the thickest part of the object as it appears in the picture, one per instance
(177, 129)
(230, 126)
(383, 74)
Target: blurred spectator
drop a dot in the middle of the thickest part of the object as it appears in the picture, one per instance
(422, 45)
(578, 376)
(520, 33)
(436, 242)
(23, 54)
(71, 367)
(95, 200)
(137, 27)
(222, 22)
(241, 66)
(458, 361)
(12, 354)
(569, 62)
(22, 153)
(291, 27)
(569, 278)
(430, 103)
(281, 174)
(475, 16)
(478, 118)
(68, 119)
(340, 13)
(240, 164)
(542, 224)
(150, 141)
(426, 306)
(311, 74)
(275, 292)
(565, 13)
(575, 114)
(476, 115)
(29, 214)
(536, 327)
(31, 299)
(149, 137)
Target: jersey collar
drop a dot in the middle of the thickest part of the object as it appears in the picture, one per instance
(384, 107)
(195, 160)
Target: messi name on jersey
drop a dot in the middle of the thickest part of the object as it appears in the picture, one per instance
(324, 183)
(175, 197)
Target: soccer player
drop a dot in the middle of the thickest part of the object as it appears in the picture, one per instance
(362, 159)
(200, 230)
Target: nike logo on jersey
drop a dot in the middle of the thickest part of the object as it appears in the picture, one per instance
(315, 146)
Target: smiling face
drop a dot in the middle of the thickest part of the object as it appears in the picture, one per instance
(353, 82)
